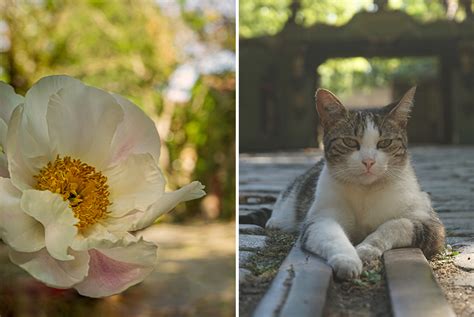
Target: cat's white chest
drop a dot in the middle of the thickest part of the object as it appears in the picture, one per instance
(369, 209)
(360, 210)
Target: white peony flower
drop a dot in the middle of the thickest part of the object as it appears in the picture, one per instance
(84, 176)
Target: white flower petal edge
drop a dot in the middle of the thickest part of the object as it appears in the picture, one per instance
(168, 201)
(136, 135)
(36, 107)
(113, 270)
(3, 164)
(22, 149)
(97, 236)
(57, 218)
(134, 184)
(54, 273)
(8, 101)
(19, 230)
(3, 142)
(82, 121)
(28, 143)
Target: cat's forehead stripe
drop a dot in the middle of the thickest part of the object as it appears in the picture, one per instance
(370, 125)
(371, 132)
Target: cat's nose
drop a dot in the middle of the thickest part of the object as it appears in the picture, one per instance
(368, 163)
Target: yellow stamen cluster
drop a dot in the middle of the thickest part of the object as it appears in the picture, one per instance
(85, 188)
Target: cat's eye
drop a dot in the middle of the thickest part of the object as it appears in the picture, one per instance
(384, 143)
(349, 142)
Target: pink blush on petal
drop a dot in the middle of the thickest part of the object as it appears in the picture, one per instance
(123, 151)
(108, 276)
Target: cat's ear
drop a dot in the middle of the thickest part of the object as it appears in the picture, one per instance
(400, 111)
(329, 107)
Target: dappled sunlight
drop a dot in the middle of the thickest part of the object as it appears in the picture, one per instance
(178, 242)
(195, 262)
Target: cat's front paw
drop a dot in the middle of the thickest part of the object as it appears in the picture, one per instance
(367, 252)
(346, 267)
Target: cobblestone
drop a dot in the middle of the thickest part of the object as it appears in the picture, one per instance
(249, 242)
(243, 274)
(251, 229)
(445, 172)
(465, 260)
(244, 256)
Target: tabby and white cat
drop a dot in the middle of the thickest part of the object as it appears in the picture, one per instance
(363, 194)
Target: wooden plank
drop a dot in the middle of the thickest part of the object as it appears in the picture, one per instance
(299, 288)
(413, 289)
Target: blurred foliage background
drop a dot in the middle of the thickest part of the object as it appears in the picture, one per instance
(135, 48)
(345, 76)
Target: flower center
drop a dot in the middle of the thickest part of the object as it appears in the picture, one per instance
(85, 188)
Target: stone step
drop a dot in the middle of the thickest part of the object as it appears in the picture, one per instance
(251, 229)
(257, 217)
(299, 288)
(250, 242)
(413, 289)
(247, 209)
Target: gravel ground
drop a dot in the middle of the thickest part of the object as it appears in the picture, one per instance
(366, 296)
(264, 266)
(461, 297)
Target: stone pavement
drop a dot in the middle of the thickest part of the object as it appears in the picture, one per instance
(262, 177)
(447, 173)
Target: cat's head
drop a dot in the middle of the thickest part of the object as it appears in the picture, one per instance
(364, 146)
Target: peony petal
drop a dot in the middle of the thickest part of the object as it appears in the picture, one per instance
(81, 122)
(116, 269)
(54, 273)
(137, 134)
(100, 235)
(3, 157)
(122, 224)
(36, 104)
(3, 166)
(8, 101)
(168, 201)
(97, 236)
(26, 155)
(57, 218)
(134, 184)
(19, 230)
(28, 143)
